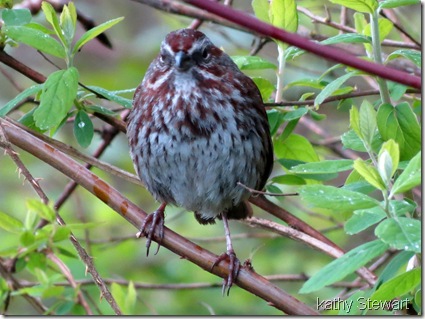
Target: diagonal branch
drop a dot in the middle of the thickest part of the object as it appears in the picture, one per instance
(324, 51)
(247, 279)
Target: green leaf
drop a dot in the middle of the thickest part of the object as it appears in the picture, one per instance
(274, 118)
(295, 114)
(369, 173)
(317, 116)
(397, 90)
(35, 291)
(355, 121)
(390, 270)
(324, 167)
(351, 140)
(401, 233)
(261, 9)
(398, 286)
(57, 97)
(93, 33)
(344, 265)
(296, 147)
(356, 183)
(366, 6)
(364, 218)
(83, 129)
(287, 131)
(36, 39)
(61, 233)
(412, 55)
(10, 224)
(288, 179)
(411, 176)
(292, 52)
(313, 83)
(27, 238)
(273, 189)
(67, 23)
(131, 298)
(385, 26)
(40, 27)
(41, 209)
(388, 4)
(347, 38)
(332, 87)
(247, 62)
(99, 109)
(37, 260)
(367, 122)
(337, 199)
(19, 98)
(265, 86)
(360, 22)
(400, 124)
(52, 18)
(418, 301)
(16, 16)
(403, 208)
(283, 14)
(28, 120)
(63, 308)
(119, 295)
(112, 96)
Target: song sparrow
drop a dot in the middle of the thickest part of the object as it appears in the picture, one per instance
(198, 127)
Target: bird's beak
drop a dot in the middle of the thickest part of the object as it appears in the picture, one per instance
(182, 61)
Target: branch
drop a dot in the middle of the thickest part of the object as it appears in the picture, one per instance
(179, 8)
(292, 233)
(347, 29)
(324, 51)
(4, 143)
(197, 285)
(332, 98)
(68, 275)
(15, 285)
(247, 279)
(21, 68)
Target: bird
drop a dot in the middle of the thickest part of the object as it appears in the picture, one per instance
(199, 137)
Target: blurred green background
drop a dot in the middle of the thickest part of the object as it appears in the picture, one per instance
(136, 41)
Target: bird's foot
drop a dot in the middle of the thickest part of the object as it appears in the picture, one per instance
(151, 223)
(234, 266)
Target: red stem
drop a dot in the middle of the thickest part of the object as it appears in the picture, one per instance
(327, 52)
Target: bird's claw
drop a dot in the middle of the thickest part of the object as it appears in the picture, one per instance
(151, 223)
(234, 267)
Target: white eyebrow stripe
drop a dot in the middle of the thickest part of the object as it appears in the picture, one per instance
(166, 47)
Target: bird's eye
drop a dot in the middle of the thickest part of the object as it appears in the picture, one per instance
(205, 54)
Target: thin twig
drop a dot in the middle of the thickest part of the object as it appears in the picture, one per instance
(347, 29)
(308, 240)
(197, 285)
(255, 192)
(399, 27)
(15, 285)
(91, 268)
(68, 275)
(4, 143)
